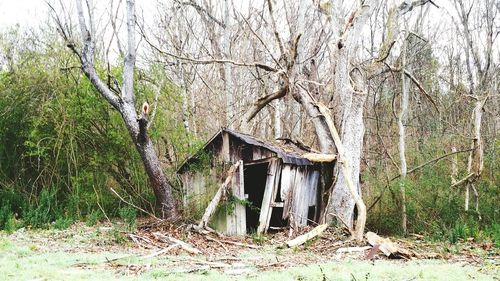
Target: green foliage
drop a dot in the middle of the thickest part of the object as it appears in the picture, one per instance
(258, 238)
(129, 216)
(94, 217)
(493, 231)
(230, 204)
(433, 207)
(62, 146)
(45, 211)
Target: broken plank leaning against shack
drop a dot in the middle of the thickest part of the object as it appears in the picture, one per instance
(215, 201)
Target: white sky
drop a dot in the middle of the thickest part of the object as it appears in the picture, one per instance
(26, 13)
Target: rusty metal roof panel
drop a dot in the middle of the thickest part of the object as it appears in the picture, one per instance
(286, 156)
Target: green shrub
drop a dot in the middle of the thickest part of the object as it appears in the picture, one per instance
(433, 207)
(62, 222)
(45, 211)
(94, 217)
(493, 231)
(129, 216)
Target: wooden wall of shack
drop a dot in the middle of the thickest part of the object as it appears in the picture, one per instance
(300, 186)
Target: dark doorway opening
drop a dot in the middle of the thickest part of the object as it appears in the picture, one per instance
(255, 176)
(277, 222)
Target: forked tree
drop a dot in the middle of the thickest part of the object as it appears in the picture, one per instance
(121, 98)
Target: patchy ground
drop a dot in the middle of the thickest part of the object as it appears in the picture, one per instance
(105, 253)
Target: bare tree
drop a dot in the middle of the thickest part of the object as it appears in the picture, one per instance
(124, 102)
(476, 19)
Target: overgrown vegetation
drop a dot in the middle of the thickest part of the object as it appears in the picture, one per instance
(434, 208)
(62, 147)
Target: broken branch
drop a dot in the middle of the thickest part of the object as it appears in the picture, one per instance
(265, 100)
(308, 236)
(172, 241)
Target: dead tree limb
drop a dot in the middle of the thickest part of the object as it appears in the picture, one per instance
(172, 241)
(308, 236)
(265, 100)
(215, 201)
(358, 232)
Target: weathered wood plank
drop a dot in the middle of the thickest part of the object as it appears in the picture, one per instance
(240, 210)
(313, 188)
(268, 192)
(300, 199)
(274, 193)
(288, 199)
(225, 147)
(285, 181)
(236, 222)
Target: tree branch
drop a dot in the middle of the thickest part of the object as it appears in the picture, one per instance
(201, 11)
(87, 60)
(207, 61)
(265, 100)
(416, 169)
(129, 61)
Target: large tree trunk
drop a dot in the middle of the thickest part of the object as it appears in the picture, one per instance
(349, 117)
(341, 201)
(137, 128)
(162, 189)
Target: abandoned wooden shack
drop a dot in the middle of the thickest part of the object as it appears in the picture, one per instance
(275, 185)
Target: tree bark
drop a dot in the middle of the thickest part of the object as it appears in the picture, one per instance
(228, 72)
(402, 139)
(349, 105)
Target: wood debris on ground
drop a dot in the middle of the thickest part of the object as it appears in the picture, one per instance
(386, 246)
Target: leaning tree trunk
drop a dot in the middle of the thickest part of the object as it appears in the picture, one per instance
(137, 128)
(162, 189)
(125, 104)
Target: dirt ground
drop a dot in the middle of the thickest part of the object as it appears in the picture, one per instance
(105, 252)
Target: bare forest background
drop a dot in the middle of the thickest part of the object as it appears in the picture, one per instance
(411, 87)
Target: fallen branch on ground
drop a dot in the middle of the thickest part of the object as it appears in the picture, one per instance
(172, 241)
(233, 243)
(308, 236)
(161, 252)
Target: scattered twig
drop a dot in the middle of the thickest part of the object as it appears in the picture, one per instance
(217, 241)
(234, 243)
(161, 252)
(135, 206)
(172, 241)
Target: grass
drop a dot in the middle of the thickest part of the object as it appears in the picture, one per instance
(73, 257)
(24, 264)
(82, 252)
